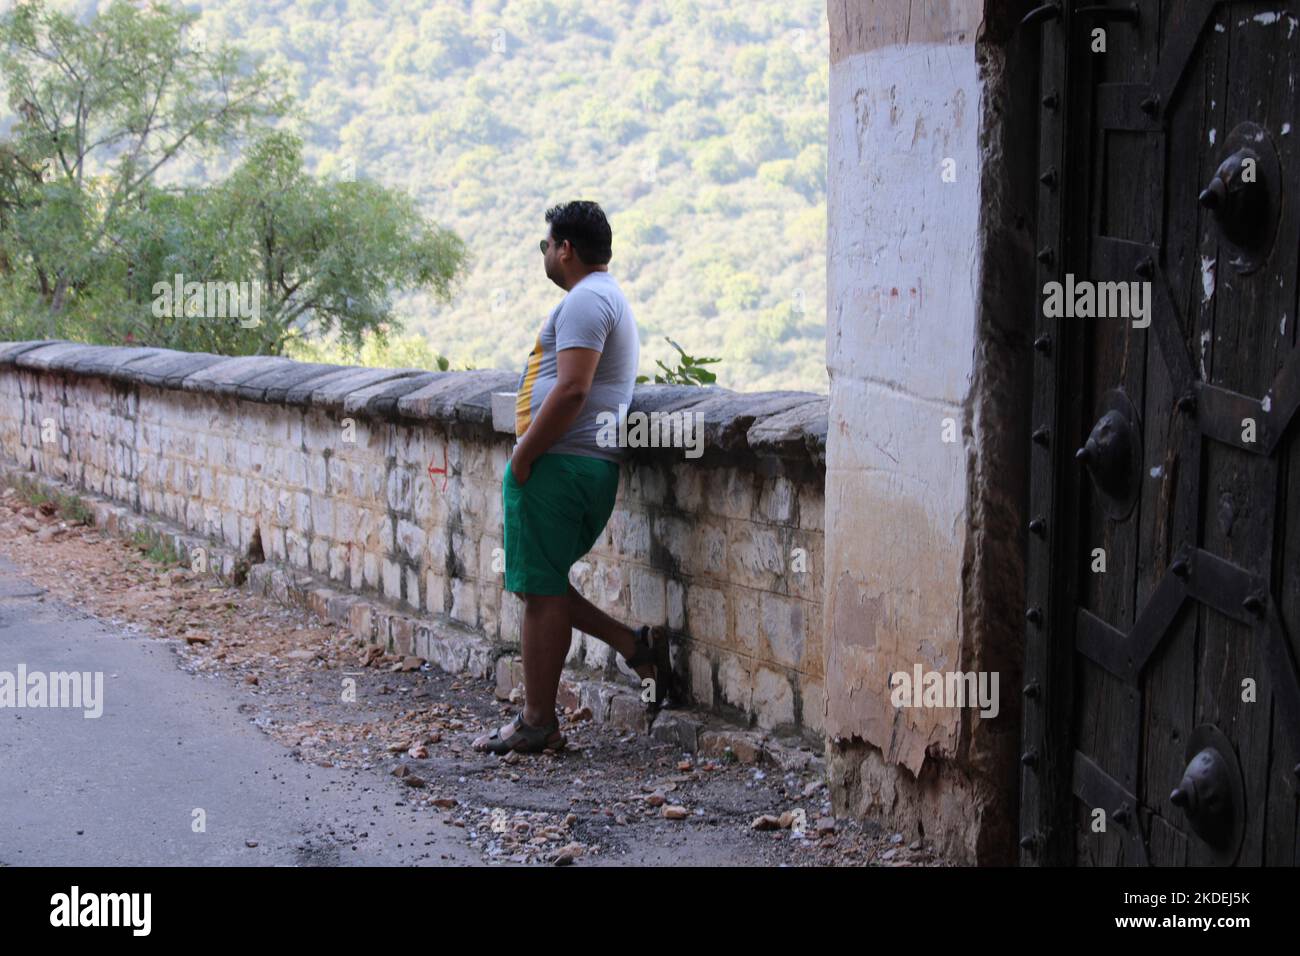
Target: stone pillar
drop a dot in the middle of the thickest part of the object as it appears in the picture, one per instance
(931, 185)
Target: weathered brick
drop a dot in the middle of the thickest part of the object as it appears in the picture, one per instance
(627, 712)
(435, 593)
(677, 729)
(339, 608)
(598, 696)
(301, 512)
(629, 533)
(701, 675)
(673, 535)
(278, 548)
(411, 539)
(648, 597)
(608, 587)
(812, 508)
(706, 614)
(318, 552)
(412, 595)
(646, 482)
(776, 501)
(464, 601)
(676, 604)
(322, 516)
(596, 654)
(473, 501)
(392, 579)
(464, 548)
(317, 474)
(756, 557)
(707, 550)
(567, 695)
(773, 699)
(783, 624)
(745, 746)
(338, 567)
(361, 622)
(735, 682)
(504, 680)
(805, 565)
(512, 612)
(489, 609)
(491, 561)
(745, 630)
(402, 634)
(813, 712)
(729, 492)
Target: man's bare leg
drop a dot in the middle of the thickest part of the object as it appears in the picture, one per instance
(590, 619)
(546, 644)
(547, 632)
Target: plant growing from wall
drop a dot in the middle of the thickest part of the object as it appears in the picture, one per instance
(689, 371)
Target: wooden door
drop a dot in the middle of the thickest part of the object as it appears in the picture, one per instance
(1162, 697)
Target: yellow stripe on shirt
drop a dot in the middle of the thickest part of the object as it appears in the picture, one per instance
(524, 400)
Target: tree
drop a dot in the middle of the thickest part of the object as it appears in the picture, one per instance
(759, 137)
(103, 107)
(740, 291)
(810, 170)
(89, 239)
(326, 256)
(717, 161)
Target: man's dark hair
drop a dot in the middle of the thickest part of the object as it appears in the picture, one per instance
(583, 224)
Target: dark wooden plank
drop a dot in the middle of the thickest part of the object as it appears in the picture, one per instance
(1280, 834)
(1126, 170)
(1172, 440)
(1282, 813)
(1247, 349)
(1046, 802)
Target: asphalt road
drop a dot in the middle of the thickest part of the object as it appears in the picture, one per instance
(123, 789)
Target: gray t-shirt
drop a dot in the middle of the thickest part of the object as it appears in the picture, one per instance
(593, 315)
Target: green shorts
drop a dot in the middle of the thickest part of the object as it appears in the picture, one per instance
(554, 518)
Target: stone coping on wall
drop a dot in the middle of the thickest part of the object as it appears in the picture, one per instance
(777, 424)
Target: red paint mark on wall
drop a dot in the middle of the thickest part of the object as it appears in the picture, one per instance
(439, 471)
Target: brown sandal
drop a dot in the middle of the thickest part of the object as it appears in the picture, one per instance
(523, 738)
(652, 648)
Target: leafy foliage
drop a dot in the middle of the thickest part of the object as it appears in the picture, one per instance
(688, 371)
(90, 241)
(70, 507)
(377, 351)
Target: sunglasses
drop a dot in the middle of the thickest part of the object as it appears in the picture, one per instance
(546, 243)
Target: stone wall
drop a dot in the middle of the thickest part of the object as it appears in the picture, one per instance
(387, 482)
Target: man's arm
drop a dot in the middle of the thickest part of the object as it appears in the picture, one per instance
(574, 369)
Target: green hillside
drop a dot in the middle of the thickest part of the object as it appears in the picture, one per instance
(700, 126)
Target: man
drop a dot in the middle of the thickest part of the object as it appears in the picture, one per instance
(561, 481)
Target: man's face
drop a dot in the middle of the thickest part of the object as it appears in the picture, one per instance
(551, 260)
